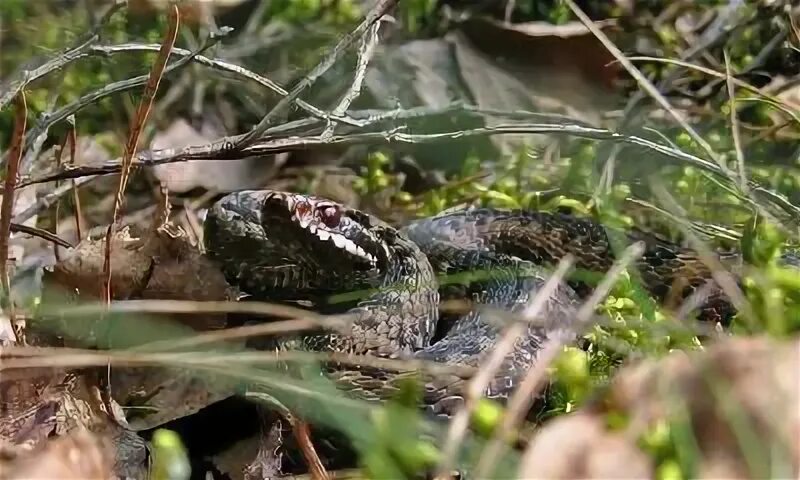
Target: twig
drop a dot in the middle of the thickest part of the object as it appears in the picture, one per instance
(7, 207)
(375, 14)
(225, 66)
(41, 233)
(477, 385)
(60, 61)
(47, 200)
(737, 141)
(49, 119)
(301, 433)
(645, 84)
(211, 151)
(365, 52)
(523, 398)
(137, 123)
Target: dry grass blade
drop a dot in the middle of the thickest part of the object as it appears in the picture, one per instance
(523, 398)
(299, 319)
(137, 124)
(645, 84)
(477, 385)
(724, 278)
(7, 207)
(70, 139)
(776, 102)
(737, 141)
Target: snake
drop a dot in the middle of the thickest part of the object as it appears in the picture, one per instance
(276, 245)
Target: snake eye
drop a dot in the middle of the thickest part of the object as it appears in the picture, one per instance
(330, 215)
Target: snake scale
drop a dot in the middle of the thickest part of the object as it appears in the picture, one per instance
(278, 245)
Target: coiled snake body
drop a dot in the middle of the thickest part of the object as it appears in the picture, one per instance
(278, 245)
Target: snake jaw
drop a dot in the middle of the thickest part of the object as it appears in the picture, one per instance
(326, 222)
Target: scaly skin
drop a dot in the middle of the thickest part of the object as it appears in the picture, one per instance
(287, 256)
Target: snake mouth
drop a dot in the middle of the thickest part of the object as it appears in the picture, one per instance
(323, 226)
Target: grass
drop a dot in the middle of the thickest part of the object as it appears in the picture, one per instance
(395, 440)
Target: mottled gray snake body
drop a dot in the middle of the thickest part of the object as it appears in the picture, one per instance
(278, 245)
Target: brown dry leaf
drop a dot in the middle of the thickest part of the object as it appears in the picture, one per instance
(217, 175)
(740, 398)
(534, 67)
(162, 264)
(41, 404)
(78, 455)
(81, 268)
(155, 396)
(738, 382)
(24, 395)
(579, 446)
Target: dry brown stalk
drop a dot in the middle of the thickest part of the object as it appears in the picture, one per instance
(7, 207)
(137, 125)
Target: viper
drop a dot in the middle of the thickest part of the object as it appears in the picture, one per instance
(286, 246)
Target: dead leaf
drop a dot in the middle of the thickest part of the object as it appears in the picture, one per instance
(78, 455)
(579, 446)
(154, 396)
(736, 386)
(217, 175)
(534, 67)
(81, 268)
(40, 405)
(736, 381)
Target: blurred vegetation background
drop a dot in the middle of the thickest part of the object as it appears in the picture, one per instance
(516, 57)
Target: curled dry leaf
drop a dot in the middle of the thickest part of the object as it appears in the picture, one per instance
(161, 264)
(81, 268)
(739, 399)
(78, 455)
(579, 446)
(736, 382)
(39, 404)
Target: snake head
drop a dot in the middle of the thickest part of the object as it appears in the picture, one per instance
(338, 236)
(274, 244)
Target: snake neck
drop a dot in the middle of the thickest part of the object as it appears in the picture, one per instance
(401, 315)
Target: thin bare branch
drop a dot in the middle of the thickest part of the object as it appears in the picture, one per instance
(52, 118)
(365, 52)
(224, 66)
(379, 10)
(40, 233)
(15, 85)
